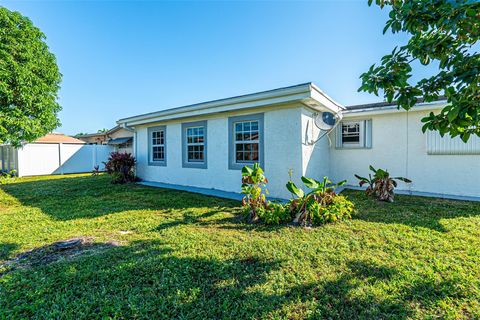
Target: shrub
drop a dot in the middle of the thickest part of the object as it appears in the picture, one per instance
(121, 167)
(254, 185)
(381, 185)
(7, 176)
(274, 213)
(320, 205)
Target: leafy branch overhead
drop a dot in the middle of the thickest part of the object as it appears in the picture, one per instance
(29, 81)
(442, 32)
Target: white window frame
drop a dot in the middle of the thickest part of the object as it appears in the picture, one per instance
(361, 133)
(365, 135)
(151, 145)
(234, 164)
(244, 142)
(186, 163)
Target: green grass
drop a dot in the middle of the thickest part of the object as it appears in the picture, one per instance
(166, 254)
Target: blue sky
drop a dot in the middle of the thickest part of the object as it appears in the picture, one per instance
(124, 58)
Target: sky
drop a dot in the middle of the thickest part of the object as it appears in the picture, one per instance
(121, 58)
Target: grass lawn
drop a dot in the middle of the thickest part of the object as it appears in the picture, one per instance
(157, 253)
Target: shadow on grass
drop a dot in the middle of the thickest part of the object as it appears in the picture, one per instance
(6, 249)
(412, 211)
(89, 197)
(148, 279)
(348, 297)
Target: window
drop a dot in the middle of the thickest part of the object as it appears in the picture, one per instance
(354, 134)
(194, 144)
(157, 146)
(351, 133)
(246, 140)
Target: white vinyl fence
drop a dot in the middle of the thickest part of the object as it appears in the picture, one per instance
(59, 158)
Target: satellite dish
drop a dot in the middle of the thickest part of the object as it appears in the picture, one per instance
(325, 120)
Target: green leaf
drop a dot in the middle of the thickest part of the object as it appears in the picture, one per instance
(465, 136)
(247, 171)
(294, 189)
(452, 114)
(310, 183)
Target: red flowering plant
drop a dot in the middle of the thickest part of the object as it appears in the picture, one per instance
(121, 167)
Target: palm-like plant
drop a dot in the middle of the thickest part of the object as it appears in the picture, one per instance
(380, 185)
(320, 195)
(254, 185)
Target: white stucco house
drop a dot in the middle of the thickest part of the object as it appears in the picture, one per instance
(206, 144)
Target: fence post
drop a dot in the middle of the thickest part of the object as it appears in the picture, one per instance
(94, 155)
(60, 165)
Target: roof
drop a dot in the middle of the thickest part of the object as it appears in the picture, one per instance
(306, 93)
(105, 133)
(120, 140)
(58, 138)
(386, 104)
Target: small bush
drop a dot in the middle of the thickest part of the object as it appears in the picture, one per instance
(121, 167)
(381, 186)
(7, 176)
(320, 205)
(274, 213)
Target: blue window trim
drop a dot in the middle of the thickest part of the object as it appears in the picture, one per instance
(152, 162)
(232, 164)
(185, 163)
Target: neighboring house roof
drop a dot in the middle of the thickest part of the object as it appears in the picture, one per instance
(307, 93)
(378, 105)
(118, 141)
(104, 134)
(58, 138)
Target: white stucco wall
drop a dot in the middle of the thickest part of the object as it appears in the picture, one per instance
(315, 157)
(399, 146)
(282, 149)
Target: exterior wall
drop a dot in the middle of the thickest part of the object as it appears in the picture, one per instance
(399, 146)
(53, 158)
(315, 158)
(282, 145)
(122, 133)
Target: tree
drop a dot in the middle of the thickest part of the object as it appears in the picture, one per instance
(442, 31)
(29, 81)
(102, 130)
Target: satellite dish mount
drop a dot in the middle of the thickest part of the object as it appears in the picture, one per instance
(326, 121)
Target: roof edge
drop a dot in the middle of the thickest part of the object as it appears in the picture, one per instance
(291, 92)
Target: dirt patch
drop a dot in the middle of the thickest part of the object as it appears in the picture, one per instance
(60, 250)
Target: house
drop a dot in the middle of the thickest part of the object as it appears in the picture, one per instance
(54, 153)
(205, 145)
(119, 138)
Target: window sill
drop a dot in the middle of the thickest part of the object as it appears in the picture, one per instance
(157, 163)
(195, 165)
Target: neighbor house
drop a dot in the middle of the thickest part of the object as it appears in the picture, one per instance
(205, 145)
(120, 138)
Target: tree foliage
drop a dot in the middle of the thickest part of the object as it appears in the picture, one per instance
(442, 31)
(29, 81)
